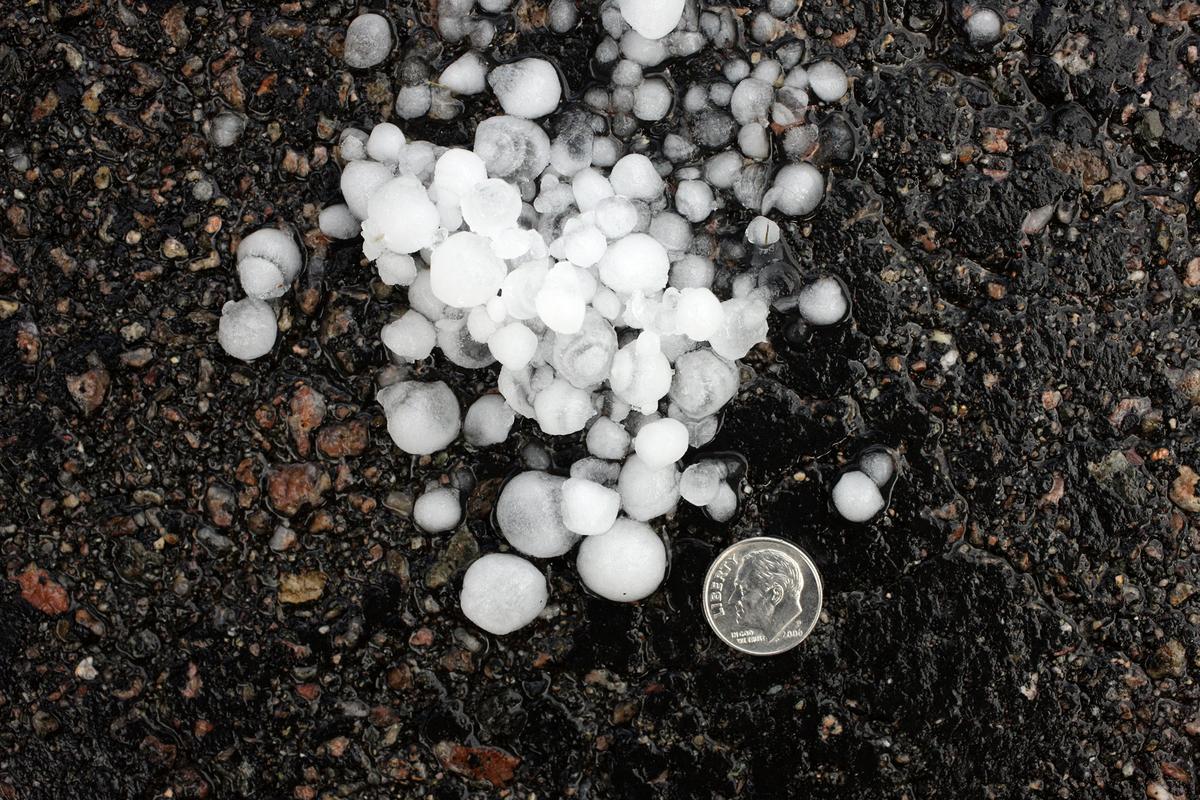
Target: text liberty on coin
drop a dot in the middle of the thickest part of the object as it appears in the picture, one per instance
(762, 596)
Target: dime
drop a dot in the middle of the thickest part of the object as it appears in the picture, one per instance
(762, 596)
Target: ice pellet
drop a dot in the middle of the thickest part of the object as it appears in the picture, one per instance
(337, 222)
(528, 88)
(437, 510)
(700, 482)
(562, 408)
(268, 262)
(396, 269)
(635, 176)
(724, 504)
(589, 508)
(797, 190)
(635, 263)
(652, 100)
(694, 200)
(488, 421)
(502, 592)
(512, 148)
(856, 497)
(513, 345)
(400, 216)
(247, 328)
(368, 41)
(422, 418)
(529, 514)
(625, 564)
(879, 465)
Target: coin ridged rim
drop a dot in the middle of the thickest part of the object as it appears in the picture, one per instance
(807, 560)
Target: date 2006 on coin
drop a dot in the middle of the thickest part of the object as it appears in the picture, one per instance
(762, 596)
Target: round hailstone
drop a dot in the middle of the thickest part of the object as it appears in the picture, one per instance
(467, 75)
(401, 213)
(368, 41)
(625, 564)
(385, 143)
(513, 345)
(411, 337)
(652, 19)
(652, 100)
(563, 409)
(641, 374)
(724, 505)
(762, 232)
(488, 421)
(635, 176)
(247, 328)
(699, 314)
(512, 148)
(856, 497)
(590, 187)
(635, 263)
(561, 302)
(661, 443)
(464, 272)
(879, 465)
(743, 325)
(396, 269)
(359, 181)
(585, 245)
(338, 222)
(529, 513)
(502, 592)
(458, 171)
(268, 261)
(608, 439)
(589, 509)
(694, 200)
(585, 358)
(823, 302)
(261, 278)
(984, 27)
(528, 88)
(616, 216)
(797, 190)
(647, 492)
(700, 483)
(703, 383)
(422, 418)
(491, 206)
(827, 81)
(438, 510)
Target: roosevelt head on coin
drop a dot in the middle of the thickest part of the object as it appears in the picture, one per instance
(767, 591)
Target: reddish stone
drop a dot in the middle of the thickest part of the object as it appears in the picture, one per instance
(343, 439)
(294, 486)
(490, 764)
(42, 593)
(89, 388)
(308, 412)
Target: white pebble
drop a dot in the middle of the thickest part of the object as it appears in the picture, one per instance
(422, 418)
(437, 510)
(464, 272)
(528, 88)
(661, 443)
(488, 421)
(589, 509)
(797, 190)
(502, 592)
(652, 19)
(626, 564)
(529, 513)
(247, 328)
(823, 302)
(857, 497)
(368, 41)
(411, 337)
(827, 80)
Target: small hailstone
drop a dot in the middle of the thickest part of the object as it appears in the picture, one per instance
(268, 262)
(724, 504)
(422, 418)
(563, 409)
(984, 27)
(827, 80)
(647, 52)
(823, 302)
(561, 301)
(743, 325)
(797, 190)
(585, 246)
(597, 470)
(616, 216)
(634, 176)
(411, 337)
(762, 232)
(491, 206)
(652, 100)
(563, 15)
(368, 41)
(700, 483)
(635, 263)
(641, 374)
(512, 148)
(754, 141)
(672, 230)
(513, 345)
(750, 100)
(661, 443)
(502, 592)
(879, 466)
(652, 19)
(528, 88)
(590, 187)
(692, 272)
(437, 510)
(464, 272)
(703, 383)
(396, 269)
(385, 142)
(493, 6)
(337, 222)
(529, 514)
(699, 314)
(458, 171)
(488, 421)
(247, 328)
(608, 439)
(466, 75)
(413, 102)
(694, 200)
(648, 492)
(588, 508)
(857, 497)
(226, 128)
(625, 564)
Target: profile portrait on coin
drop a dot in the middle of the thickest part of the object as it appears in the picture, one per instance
(767, 591)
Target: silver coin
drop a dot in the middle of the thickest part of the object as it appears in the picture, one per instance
(762, 596)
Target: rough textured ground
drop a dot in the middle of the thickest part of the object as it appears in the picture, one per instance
(211, 587)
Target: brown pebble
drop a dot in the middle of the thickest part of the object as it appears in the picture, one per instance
(343, 439)
(41, 592)
(294, 486)
(89, 388)
(307, 413)
(1183, 490)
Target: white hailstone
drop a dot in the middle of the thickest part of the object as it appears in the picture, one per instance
(491, 206)
(648, 492)
(652, 100)
(661, 442)
(589, 509)
(368, 41)
(797, 190)
(457, 345)
(513, 345)
(672, 230)
(337, 222)
(692, 272)
(856, 497)
(385, 143)
(823, 302)
(502, 592)
(396, 269)
(626, 564)
(422, 418)
(703, 384)
(226, 128)
(616, 216)
(529, 514)
(528, 88)
(827, 80)
(700, 483)
(754, 141)
(464, 272)
(743, 325)
(585, 245)
(699, 314)
(457, 172)
(652, 19)
(635, 263)
(647, 52)
(247, 328)
(590, 187)
(597, 470)
(641, 374)
(724, 504)
(466, 75)
(520, 287)
(563, 409)
(585, 358)
(268, 261)
(563, 15)
(437, 510)
(561, 301)
(512, 148)
(401, 216)
(723, 169)
(493, 6)
(608, 439)
(488, 421)
(635, 176)
(762, 232)
(607, 303)
(984, 27)
(352, 144)
(413, 102)
(411, 337)
(751, 100)
(694, 200)
(879, 465)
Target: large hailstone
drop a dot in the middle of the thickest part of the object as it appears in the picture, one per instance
(422, 418)
(529, 513)
(401, 216)
(625, 564)
(503, 592)
(653, 19)
(465, 272)
(528, 88)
